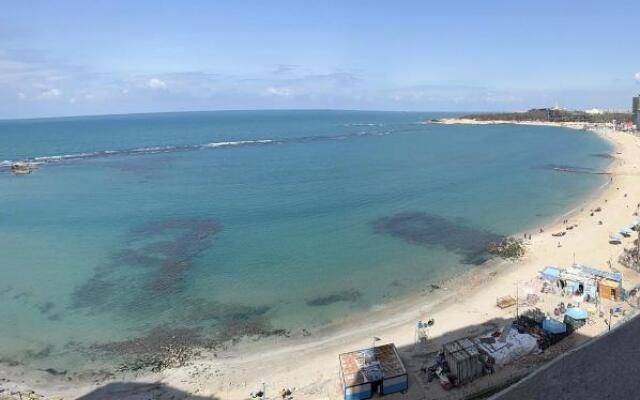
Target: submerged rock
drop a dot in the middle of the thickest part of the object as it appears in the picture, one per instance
(426, 229)
(22, 168)
(349, 295)
(154, 260)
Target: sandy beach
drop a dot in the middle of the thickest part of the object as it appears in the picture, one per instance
(464, 306)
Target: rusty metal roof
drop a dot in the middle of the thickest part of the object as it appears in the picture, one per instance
(356, 366)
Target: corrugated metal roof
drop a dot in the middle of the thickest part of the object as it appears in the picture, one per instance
(354, 365)
(614, 276)
(551, 271)
(607, 282)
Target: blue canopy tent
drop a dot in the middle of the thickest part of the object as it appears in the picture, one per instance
(553, 326)
(575, 317)
(551, 273)
(576, 313)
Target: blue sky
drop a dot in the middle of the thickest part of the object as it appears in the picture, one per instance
(97, 57)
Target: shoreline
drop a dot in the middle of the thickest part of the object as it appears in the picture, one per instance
(464, 303)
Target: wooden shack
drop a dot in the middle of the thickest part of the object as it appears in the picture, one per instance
(370, 371)
(610, 290)
(463, 359)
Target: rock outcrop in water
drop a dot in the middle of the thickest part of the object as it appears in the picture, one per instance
(159, 349)
(22, 168)
(508, 248)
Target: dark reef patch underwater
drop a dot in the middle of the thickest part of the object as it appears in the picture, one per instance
(149, 274)
(349, 295)
(153, 263)
(426, 229)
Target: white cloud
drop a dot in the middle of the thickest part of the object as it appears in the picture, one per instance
(125, 91)
(50, 93)
(156, 84)
(276, 91)
(637, 76)
(72, 100)
(21, 96)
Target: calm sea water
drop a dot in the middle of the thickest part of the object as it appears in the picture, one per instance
(252, 221)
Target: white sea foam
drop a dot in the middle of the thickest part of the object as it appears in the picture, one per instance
(168, 149)
(236, 143)
(63, 157)
(156, 149)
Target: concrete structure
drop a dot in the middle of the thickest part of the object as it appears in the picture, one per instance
(635, 109)
(374, 370)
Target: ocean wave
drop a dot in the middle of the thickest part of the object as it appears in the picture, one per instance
(151, 150)
(53, 159)
(363, 124)
(236, 143)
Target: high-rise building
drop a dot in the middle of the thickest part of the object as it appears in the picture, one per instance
(635, 109)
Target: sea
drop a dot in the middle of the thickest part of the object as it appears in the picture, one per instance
(217, 225)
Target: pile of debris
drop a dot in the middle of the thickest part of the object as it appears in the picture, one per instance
(630, 258)
(20, 395)
(535, 323)
(441, 371)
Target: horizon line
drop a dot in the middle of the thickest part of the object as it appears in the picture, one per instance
(234, 110)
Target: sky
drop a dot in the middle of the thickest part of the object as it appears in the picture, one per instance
(106, 57)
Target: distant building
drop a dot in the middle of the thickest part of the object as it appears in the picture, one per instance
(635, 109)
(594, 111)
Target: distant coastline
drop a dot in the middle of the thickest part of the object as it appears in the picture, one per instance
(555, 114)
(473, 121)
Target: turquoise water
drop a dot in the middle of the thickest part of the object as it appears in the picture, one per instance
(234, 222)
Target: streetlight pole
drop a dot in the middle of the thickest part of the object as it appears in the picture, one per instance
(517, 300)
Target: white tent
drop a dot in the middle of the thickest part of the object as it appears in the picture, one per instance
(515, 346)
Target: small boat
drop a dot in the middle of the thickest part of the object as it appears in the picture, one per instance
(615, 238)
(22, 168)
(626, 232)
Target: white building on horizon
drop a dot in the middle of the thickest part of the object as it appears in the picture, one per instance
(594, 111)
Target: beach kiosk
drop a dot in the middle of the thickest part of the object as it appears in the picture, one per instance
(610, 290)
(374, 370)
